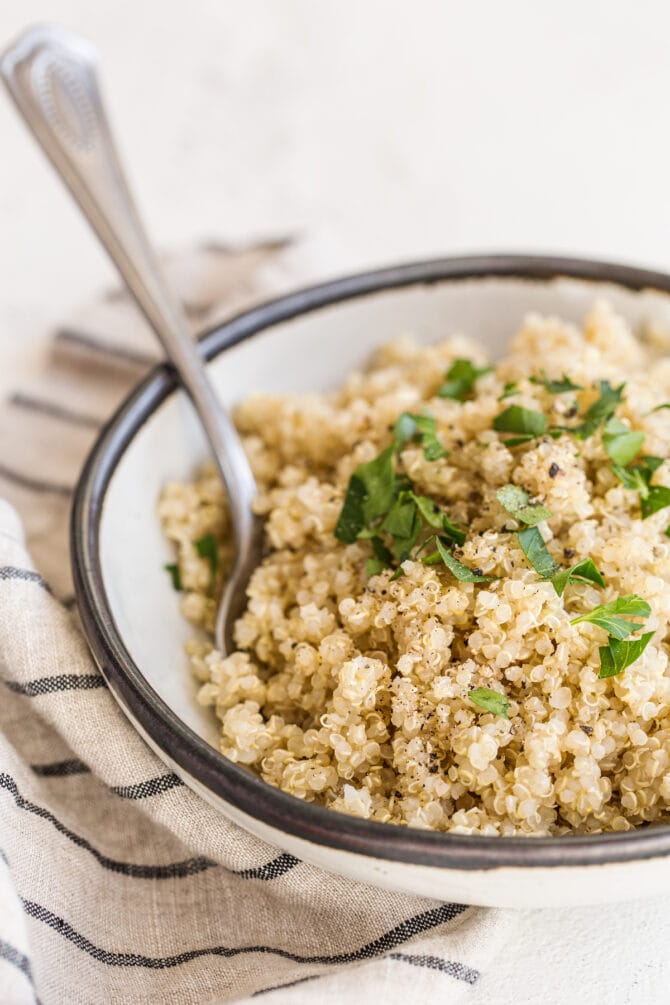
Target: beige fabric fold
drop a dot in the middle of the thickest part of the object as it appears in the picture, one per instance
(117, 883)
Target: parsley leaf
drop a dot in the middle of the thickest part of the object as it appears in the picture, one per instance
(452, 530)
(618, 654)
(601, 410)
(460, 379)
(460, 571)
(658, 498)
(583, 572)
(659, 408)
(435, 518)
(614, 617)
(418, 427)
(351, 520)
(509, 390)
(369, 494)
(516, 441)
(535, 550)
(490, 701)
(405, 429)
(403, 523)
(637, 477)
(207, 547)
(520, 420)
(176, 576)
(401, 516)
(652, 463)
(429, 510)
(621, 444)
(556, 386)
(382, 557)
(515, 501)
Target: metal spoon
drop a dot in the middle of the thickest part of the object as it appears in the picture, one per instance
(51, 75)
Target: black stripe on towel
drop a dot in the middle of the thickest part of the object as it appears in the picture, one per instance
(11, 955)
(271, 870)
(457, 970)
(34, 484)
(52, 685)
(60, 769)
(30, 403)
(152, 787)
(174, 870)
(408, 929)
(277, 867)
(11, 572)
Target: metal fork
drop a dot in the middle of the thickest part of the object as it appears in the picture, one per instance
(51, 75)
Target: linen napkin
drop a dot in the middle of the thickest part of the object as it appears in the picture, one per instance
(117, 883)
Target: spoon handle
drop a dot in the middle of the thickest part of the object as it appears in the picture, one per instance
(51, 76)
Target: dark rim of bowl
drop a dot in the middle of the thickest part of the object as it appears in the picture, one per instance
(193, 756)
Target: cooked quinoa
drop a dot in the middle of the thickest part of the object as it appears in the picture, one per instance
(352, 684)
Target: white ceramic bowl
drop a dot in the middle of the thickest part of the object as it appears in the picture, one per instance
(310, 341)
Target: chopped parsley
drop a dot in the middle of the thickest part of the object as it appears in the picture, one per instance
(175, 576)
(556, 386)
(658, 498)
(410, 428)
(638, 478)
(381, 506)
(453, 530)
(430, 511)
(382, 557)
(490, 701)
(434, 517)
(535, 550)
(619, 654)
(615, 616)
(509, 390)
(460, 379)
(515, 500)
(583, 572)
(659, 408)
(516, 419)
(600, 411)
(370, 494)
(621, 444)
(403, 523)
(207, 547)
(460, 571)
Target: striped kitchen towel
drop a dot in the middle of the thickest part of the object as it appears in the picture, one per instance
(117, 883)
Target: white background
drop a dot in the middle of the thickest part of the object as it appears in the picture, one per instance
(387, 130)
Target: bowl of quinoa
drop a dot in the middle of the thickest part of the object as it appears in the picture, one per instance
(454, 653)
(460, 621)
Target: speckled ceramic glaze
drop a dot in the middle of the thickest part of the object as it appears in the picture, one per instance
(310, 341)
